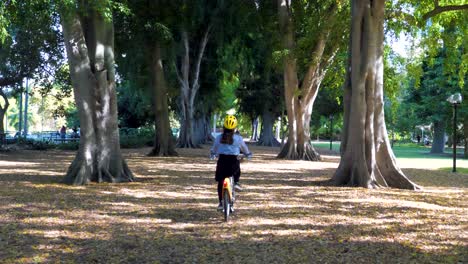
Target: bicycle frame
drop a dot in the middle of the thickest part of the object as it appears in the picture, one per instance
(228, 197)
(228, 185)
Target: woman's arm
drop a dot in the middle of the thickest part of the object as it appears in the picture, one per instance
(214, 148)
(244, 148)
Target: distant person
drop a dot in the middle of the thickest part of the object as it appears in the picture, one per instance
(75, 133)
(63, 132)
(427, 142)
(418, 138)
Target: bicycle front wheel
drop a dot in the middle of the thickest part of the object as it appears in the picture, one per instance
(226, 205)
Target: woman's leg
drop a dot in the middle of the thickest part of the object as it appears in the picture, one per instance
(237, 172)
(220, 190)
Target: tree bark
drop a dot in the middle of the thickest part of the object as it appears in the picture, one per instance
(438, 144)
(202, 129)
(367, 159)
(189, 89)
(3, 110)
(89, 42)
(267, 136)
(254, 129)
(163, 141)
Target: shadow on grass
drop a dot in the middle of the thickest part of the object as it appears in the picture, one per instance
(169, 216)
(139, 245)
(184, 230)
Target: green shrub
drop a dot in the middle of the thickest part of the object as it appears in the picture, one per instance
(35, 144)
(136, 137)
(41, 145)
(74, 145)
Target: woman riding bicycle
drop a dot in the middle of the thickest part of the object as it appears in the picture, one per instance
(228, 146)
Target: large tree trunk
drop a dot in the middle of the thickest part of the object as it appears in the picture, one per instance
(163, 141)
(267, 137)
(367, 159)
(186, 137)
(202, 132)
(199, 130)
(189, 89)
(438, 144)
(89, 41)
(208, 136)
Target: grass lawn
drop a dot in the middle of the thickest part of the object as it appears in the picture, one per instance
(288, 213)
(413, 156)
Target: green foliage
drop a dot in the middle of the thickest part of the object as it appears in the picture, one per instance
(134, 106)
(71, 115)
(320, 125)
(31, 33)
(244, 124)
(4, 21)
(448, 29)
(136, 137)
(312, 19)
(426, 103)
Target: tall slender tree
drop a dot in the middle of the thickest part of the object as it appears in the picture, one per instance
(300, 93)
(194, 30)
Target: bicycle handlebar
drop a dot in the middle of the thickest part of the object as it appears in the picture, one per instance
(239, 157)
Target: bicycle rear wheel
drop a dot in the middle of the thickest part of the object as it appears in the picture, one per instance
(226, 205)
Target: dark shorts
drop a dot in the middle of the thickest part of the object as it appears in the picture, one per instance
(227, 166)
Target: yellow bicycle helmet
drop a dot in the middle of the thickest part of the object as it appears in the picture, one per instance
(230, 122)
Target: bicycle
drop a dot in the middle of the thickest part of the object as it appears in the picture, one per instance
(229, 196)
(229, 193)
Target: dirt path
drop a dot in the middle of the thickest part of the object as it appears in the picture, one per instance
(287, 214)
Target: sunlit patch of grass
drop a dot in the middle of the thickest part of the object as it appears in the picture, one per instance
(16, 164)
(459, 170)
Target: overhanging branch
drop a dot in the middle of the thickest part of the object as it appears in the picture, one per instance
(440, 9)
